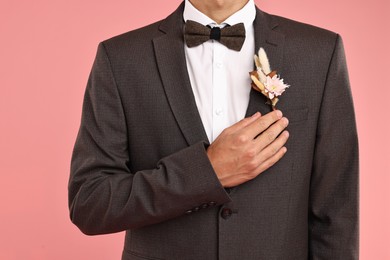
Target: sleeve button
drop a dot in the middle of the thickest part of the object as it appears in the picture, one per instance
(204, 206)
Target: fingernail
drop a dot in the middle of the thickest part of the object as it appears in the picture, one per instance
(285, 121)
(279, 113)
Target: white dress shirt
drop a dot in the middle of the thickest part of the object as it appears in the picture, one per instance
(219, 76)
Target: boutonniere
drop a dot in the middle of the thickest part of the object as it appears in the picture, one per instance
(267, 81)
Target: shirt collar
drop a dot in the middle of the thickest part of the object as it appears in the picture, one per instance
(245, 15)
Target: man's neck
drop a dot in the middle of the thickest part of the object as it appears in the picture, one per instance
(218, 10)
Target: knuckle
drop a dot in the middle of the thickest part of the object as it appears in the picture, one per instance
(270, 136)
(251, 153)
(251, 174)
(284, 140)
(246, 119)
(251, 166)
(267, 164)
(283, 123)
(273, 150)
(263, 124)
(242, 139)
(277, 115)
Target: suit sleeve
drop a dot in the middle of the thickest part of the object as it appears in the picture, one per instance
(333, 211)
(104, 196)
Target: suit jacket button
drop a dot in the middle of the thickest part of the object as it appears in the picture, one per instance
(226, 213)
(188, 212)
(196, 209)
(212, 203)
(204, 206)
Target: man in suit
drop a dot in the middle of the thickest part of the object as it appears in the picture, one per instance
(176, 149)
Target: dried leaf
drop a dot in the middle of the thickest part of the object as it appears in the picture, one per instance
(257, 61)
(265, 66)
(262, 77)
(258, 83)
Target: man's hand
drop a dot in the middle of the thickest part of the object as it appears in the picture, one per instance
(246, 149)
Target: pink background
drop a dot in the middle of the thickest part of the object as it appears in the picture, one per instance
(46, 52)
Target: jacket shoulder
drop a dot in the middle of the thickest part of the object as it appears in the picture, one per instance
(305, 40)
(289, 26)
(134, 38)
(141, 39)
(304, 34)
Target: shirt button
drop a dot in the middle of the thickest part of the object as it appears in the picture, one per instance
(226, 213)
(218, 65)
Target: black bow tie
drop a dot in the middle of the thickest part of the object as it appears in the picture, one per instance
(232, 37)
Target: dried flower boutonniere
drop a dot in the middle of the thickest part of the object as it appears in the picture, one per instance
(267, 81)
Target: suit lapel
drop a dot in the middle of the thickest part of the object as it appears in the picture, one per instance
(272, 42)
(170, 56)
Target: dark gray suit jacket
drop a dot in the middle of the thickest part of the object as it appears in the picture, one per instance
(139, 163)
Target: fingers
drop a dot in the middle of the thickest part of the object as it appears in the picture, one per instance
(244, 122)
(233, 180)
(261, 123)
(272, 153)
(274, 147)
(269, 135)
(271, 160)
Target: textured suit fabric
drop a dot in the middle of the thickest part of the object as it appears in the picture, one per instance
(140, 163)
